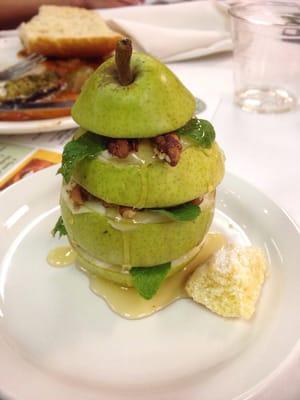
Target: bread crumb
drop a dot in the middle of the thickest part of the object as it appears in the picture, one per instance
(229, 283)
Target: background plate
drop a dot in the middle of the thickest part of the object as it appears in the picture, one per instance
(60, 341)
(9, 47)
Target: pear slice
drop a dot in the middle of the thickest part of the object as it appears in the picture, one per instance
(154, 183)
(134, 244)
(156, 102)
(122, 277)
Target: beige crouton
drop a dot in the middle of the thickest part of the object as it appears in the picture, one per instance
(229, 283)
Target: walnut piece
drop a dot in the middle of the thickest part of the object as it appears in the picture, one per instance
(169, 147)
(122, 147)
(78, 195)
(197, 201)
(127, 212)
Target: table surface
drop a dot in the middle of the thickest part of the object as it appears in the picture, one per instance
(265, 151)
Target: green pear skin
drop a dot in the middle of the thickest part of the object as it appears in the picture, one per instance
(118, 277)
(155, 185)
(156, 102)
(146, 245)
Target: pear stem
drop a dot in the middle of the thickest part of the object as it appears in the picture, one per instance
(122, 59)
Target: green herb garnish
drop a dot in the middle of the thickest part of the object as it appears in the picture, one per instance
(185, 212)
(200, 130)
(59, 228)
(147, 280)
(88, 145)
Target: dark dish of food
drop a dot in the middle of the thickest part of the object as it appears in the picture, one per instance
(53, 81)
(75, 41)
(139, 179)
(30, 87)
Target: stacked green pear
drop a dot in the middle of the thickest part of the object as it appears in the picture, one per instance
(165, 225)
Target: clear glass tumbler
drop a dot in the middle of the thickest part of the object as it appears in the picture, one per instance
(266, 40)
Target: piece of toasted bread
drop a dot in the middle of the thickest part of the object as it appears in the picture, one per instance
(68, 32)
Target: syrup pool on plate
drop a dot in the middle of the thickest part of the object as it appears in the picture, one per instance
(126, 301)
(61, 256)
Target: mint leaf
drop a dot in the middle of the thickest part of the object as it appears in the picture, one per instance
(147, 280)
(200, 130)
(185, 212)
(59, 228)
(88, 145)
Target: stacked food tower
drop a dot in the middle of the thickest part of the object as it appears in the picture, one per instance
(140, 174)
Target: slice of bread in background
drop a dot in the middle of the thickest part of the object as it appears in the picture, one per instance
(68, 32)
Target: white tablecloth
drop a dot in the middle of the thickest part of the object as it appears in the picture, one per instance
(265, 151)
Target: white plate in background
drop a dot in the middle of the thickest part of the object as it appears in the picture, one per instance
(9, 48)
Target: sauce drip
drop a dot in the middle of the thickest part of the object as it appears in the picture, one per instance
(126, 301)
(61, 257)
(129, 304)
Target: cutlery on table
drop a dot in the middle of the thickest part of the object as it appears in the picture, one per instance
(21, 67)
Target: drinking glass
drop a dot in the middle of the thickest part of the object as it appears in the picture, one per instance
(266, 40)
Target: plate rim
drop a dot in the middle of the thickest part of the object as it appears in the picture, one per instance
(36, 126)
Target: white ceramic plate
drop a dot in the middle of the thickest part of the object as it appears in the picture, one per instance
(9, 47)
(59, 341)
